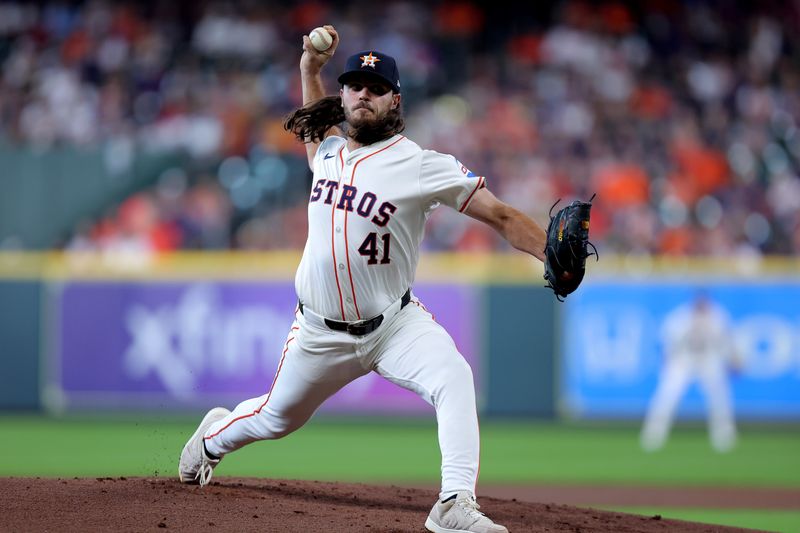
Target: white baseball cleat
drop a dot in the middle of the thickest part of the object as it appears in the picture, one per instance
(460, 514)
(195, 466)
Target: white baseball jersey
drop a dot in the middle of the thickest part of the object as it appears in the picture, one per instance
(366, 219)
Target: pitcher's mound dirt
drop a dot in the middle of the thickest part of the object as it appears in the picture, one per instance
(263, 505)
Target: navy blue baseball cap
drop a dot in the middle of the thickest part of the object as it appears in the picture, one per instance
(375, 64)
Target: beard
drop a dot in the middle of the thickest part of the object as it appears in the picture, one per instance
(373, 127)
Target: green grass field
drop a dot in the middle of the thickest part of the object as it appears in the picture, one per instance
(407, 452)
(785, 521)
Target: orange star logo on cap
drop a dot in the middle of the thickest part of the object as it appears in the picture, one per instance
(369, 61)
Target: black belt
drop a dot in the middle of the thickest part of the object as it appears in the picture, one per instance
(361, 327)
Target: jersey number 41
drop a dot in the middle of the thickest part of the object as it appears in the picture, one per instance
(369, 248)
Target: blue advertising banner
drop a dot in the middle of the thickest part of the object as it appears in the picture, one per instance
(181, 344)
(613, 339)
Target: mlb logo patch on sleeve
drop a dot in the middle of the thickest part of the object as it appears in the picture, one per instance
(464, 170)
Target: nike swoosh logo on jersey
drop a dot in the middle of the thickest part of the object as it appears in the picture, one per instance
(328, 156)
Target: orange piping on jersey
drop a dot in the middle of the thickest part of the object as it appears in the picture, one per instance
(350, 272)
(257, 411)
(333, 242)
(346, 245)
(477, 187)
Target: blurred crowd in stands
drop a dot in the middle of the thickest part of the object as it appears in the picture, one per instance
(682, 116)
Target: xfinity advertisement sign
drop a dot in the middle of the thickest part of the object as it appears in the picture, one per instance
(168, 345)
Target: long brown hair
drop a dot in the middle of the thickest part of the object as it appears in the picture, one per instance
(312, 121)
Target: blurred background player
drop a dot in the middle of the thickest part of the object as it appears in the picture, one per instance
(697, 347)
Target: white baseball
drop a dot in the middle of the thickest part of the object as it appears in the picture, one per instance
(320, 39)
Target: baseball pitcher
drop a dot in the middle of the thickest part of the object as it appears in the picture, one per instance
(372, 191)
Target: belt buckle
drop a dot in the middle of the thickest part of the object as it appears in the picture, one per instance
(365, 326)
(359, 328)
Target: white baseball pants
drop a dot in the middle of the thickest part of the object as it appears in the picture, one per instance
(678, 374)
(410, 349)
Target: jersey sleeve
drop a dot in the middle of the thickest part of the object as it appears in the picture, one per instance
(444, 180)
(330, 145)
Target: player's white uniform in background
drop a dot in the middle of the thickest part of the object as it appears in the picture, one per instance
(366, 214)
(697, 346)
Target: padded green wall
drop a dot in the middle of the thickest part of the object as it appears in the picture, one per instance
(520, 348)
(19, 344)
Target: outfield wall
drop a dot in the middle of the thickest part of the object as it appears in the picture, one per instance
(192, 330)
(20, 349)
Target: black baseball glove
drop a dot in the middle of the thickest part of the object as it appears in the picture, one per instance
(567, 247)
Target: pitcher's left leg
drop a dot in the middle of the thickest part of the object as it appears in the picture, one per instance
(417, 354)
